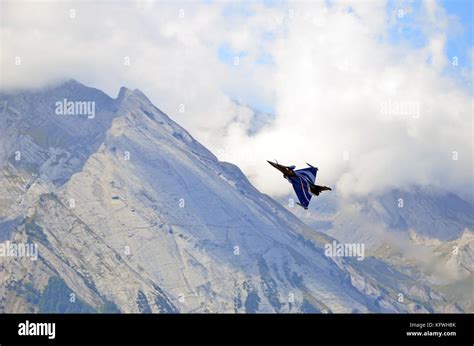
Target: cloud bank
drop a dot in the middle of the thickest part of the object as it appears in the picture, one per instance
(372, 112)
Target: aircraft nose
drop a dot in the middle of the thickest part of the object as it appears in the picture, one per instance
(273, 164)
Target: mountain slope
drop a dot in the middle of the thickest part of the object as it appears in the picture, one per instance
(424, 232)
(133, 214)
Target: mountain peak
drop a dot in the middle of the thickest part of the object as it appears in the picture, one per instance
(72, 81)
(136, 93)
(72, 84)
(123, 92)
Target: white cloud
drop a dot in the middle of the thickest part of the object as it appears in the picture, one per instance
(332, 78)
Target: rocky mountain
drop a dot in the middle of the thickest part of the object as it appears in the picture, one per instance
(130, 213)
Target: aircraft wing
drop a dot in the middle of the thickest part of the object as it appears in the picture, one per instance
(309, 172)
(301, 188)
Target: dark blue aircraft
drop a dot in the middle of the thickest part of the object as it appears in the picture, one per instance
(303, 182)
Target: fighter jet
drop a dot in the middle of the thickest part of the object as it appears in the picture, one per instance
(303, 182)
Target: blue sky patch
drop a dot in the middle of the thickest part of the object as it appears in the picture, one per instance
(227, 55)
(405, 27)
(459, 44)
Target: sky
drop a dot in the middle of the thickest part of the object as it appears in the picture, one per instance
(377, 94)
